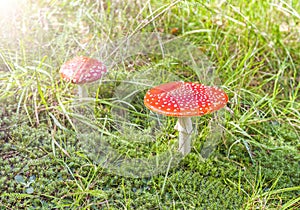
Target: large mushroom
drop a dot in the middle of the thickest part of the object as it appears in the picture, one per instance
(184, 100)
(82, 70)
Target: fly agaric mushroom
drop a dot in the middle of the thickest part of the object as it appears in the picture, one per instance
(82, 70)
(184, 100)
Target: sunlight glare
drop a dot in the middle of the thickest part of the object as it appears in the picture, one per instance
(7, 8)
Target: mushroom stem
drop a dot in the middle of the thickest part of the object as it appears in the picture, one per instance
(82, 92)
(185, 127)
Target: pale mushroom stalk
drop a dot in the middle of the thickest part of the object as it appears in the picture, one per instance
(82, 92)
(185, 127)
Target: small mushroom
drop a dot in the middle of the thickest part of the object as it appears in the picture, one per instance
(184, 100)
(82, 70)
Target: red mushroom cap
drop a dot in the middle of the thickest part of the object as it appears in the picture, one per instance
(182, 99)
(82, 70)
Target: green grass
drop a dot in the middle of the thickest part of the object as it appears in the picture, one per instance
(252, 50)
